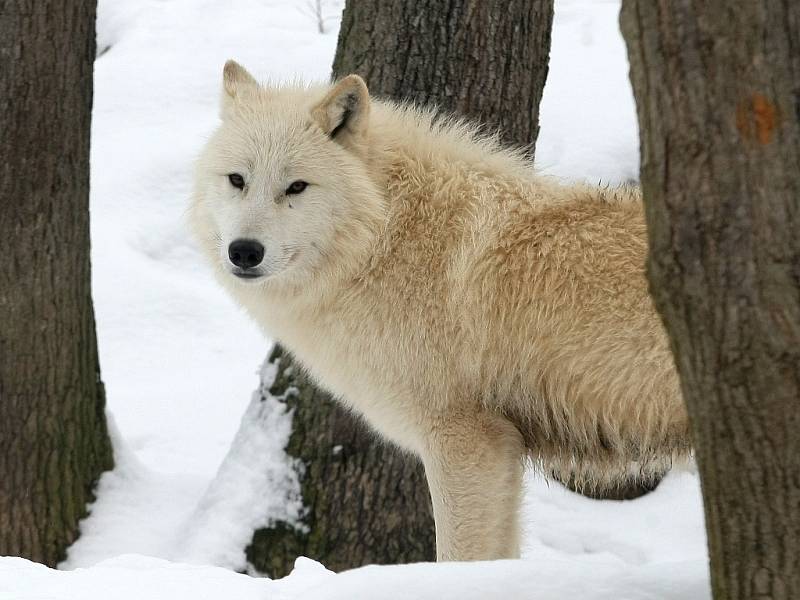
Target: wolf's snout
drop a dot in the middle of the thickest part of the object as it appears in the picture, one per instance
(246, 254)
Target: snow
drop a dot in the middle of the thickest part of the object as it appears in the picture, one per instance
(256, 485)
(132, 577)
(180, 360)
(588, 114)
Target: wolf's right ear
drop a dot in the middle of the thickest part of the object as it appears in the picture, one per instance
(237, 83)
(344, 111)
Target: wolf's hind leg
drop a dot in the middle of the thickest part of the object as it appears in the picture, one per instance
(474, 465)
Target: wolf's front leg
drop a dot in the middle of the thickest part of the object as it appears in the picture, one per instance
(474, 465)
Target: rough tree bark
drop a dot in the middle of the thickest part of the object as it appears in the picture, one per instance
(483, 59)
(718, 95)
(368, 503)
(53, 438)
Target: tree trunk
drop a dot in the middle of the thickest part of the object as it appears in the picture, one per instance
(53, 438)
(366, 502)
(482, 59)
(718, 94)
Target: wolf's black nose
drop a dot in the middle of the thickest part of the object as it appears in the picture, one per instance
(246, 253)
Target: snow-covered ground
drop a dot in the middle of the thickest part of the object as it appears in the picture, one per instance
(180, 361)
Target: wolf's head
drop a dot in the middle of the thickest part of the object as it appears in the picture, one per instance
(282, 188)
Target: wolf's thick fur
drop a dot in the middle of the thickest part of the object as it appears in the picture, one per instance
(473, 312)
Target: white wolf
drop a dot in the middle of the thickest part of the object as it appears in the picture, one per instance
(473, 312)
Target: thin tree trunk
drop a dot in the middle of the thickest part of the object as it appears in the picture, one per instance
(718, 94)
(366, 502)
(53, 438)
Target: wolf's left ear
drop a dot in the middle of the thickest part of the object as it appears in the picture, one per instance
(344, 112)
(236, 84)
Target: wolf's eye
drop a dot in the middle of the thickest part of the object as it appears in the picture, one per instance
(236, 180)
(296, 187)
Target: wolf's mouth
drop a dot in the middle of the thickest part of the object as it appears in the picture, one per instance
(246, 275)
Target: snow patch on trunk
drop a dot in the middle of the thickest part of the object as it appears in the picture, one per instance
(256, 485)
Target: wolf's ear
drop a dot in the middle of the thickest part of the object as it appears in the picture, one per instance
(344, 111)
(236, 84)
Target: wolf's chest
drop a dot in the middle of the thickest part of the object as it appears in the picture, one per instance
(362, 372)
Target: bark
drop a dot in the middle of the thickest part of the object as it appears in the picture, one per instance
(367, 503)
(717, 87)
(53, 438)
(483, 59)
